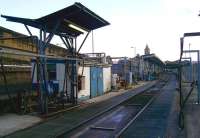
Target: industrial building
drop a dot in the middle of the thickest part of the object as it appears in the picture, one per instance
(52, 91)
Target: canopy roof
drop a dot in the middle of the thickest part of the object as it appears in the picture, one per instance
(177, 64)
(153, 58)
(76, 14)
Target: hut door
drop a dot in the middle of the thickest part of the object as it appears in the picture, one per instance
(96, 81)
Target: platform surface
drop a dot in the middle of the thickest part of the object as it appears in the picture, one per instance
(11, 122)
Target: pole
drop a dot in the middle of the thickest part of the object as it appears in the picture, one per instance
(135, 51)
(125, 70)
(189, 50)
(76, 74)
(198, 81)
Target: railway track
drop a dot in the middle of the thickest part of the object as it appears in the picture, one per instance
(112, 122)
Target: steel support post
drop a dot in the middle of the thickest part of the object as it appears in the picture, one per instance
(43, 43)
(42, 79)
(76, 71)
(73, 82)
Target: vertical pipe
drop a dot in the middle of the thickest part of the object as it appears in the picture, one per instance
(190, 76)
(192, 70)
(76, 73)
(73, 77)
(43, 83)
(44, 36)
(33, 72)
(38, 75)
(135, 51)
(125, 72)
(181, 114)
(44, 44)
(180, 85)
(41, 72)
(198, 86)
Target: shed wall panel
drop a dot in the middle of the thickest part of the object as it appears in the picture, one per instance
(107, 79)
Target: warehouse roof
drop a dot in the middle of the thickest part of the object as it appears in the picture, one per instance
(76, 15)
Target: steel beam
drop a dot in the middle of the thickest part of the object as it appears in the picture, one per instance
(28, 30)
(83, 42)
(64, 42)
(191, 34)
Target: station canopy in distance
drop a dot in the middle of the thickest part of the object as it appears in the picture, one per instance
(153, 59)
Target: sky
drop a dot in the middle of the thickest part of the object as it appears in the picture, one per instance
(133, 24)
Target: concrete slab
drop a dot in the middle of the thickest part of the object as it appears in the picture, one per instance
(11, 122)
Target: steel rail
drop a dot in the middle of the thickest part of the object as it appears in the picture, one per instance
(136, 116)
(61, 135)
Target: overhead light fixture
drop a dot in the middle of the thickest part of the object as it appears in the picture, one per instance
(77, 28)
